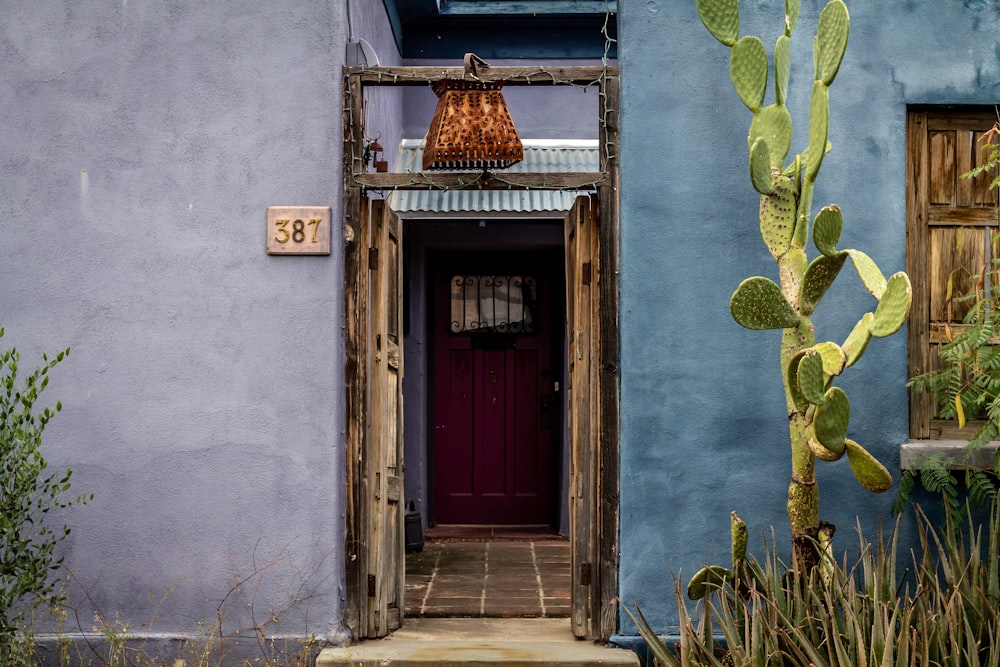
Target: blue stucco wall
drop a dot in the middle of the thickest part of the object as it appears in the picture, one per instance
(703, 417)
(140, 144)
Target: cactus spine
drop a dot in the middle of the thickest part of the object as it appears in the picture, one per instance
(818, 411)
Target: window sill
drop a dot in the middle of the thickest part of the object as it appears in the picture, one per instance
(912, 454)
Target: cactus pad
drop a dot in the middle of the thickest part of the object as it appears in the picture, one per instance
(866, 468)
(792, 383)
(706, 579)
(748, 69)
(869, 273)
(777, 216)
(738, 530)
(821, 452)
(760, 167)
(809, 376)
(819, 127)
(826, 229)
(722, 18)
(832, 418)
(834, 358)
(774, 124)
(857, 340)
(782, 68)
(758, 304)
(791, 15)
(820, 274)
(831, 40)
(893, 307)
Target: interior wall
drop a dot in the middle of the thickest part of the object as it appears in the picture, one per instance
(420, 238)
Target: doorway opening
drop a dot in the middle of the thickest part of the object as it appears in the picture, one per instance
(375, 246)
(485, 446)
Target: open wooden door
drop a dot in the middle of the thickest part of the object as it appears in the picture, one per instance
(375, 538)
(583, 410)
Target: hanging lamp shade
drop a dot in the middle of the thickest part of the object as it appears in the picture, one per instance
(472, 127)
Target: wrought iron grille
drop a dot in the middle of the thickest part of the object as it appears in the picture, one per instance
(493, 304)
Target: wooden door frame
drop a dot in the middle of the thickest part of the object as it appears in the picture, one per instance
(358, 183)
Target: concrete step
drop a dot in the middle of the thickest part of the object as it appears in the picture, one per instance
(479, 642)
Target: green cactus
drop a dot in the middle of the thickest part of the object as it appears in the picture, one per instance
(819, 413)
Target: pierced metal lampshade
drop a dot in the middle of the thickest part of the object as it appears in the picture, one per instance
(472, 127)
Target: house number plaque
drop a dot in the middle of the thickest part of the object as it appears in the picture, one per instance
(298, 230)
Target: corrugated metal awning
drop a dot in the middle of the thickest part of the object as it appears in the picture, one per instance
(540, 155)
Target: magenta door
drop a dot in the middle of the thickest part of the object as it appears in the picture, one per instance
(495, 411)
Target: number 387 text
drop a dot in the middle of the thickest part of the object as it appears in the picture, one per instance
(296, 231)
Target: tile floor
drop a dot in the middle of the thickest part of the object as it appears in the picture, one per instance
(526, 576)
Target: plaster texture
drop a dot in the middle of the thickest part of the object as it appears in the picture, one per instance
(703, 418)
(141, 144)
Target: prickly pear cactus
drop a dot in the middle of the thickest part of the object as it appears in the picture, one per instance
(819, 413)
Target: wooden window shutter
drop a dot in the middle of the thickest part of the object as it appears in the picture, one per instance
(950, 222)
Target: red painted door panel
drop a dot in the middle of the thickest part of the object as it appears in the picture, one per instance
(494, 430)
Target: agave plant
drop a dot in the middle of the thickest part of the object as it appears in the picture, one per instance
(941, 610)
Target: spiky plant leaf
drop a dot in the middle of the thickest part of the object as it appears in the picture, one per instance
(834, 358)
(832, 418)
(819, 275)
(791, 15)
(748, 67)
(795, 393)
(722, 18)
(774, 124)
(706, 579)
(819, 127)
(782, 67)
(831, 40)
(871, 276)
(827, 226)
(777, 216)
(893, 307)
(760, 167)
(809, 375)
(866, 468)
(739, 533)
(857, 340)
(821, 452)
(759, 304)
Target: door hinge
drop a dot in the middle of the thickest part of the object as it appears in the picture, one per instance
(373, 259)
(585, 273)
(371, 585)
(584, 574)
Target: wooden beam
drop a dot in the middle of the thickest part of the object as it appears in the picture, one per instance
(497, 8)
(588, 75)
(480, 181)
(607, 481)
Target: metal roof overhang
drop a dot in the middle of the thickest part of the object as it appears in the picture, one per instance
(540, 156)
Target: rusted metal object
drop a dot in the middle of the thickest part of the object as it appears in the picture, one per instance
(472, 127)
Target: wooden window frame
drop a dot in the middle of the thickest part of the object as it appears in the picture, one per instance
(972, 208)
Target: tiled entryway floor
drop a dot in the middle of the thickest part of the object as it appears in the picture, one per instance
(527, 578)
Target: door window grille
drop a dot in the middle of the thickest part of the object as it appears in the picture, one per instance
(493, 304)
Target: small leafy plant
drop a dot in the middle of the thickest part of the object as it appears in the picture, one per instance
(28, 492)
(966, 383)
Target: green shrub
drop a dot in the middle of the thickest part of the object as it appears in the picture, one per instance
(966, 382)
(941, 610)
(28, 492)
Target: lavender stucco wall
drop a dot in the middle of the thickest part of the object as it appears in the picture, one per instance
(703, 417)
(140, 143)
